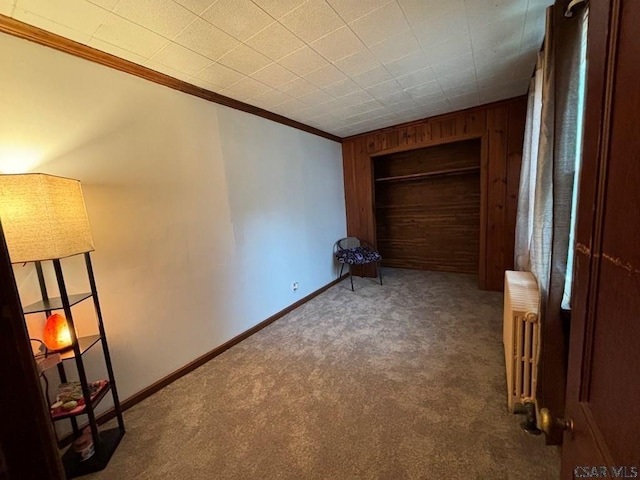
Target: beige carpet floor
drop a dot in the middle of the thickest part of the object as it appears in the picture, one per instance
(401, 381)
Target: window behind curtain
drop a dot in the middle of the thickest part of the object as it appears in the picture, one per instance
(566, 299)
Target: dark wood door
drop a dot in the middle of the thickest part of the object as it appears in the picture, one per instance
(603, 388)
(27, 442)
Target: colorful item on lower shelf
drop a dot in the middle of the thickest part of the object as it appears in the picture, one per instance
(83, 445)
(70, 401)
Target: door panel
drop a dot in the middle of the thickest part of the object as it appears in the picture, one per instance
(603, 387)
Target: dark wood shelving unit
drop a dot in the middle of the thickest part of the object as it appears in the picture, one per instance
(427, 204)
(105, 442)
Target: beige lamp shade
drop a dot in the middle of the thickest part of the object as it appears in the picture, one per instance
(43, 217)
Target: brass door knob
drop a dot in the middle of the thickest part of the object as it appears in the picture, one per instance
(549, 423)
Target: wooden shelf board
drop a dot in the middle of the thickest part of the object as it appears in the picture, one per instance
(82, 410)
(54, 303)
(85, 344)
(416, 176)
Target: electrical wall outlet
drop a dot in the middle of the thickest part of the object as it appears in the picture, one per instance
(294, 286)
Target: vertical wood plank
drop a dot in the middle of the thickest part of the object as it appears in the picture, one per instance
(484, 189)
(497, 185)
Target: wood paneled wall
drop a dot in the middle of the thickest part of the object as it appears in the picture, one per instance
(500, 128)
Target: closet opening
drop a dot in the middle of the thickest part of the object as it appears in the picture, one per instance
(427, 207)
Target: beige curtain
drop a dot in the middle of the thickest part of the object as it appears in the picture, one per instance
(547, 181)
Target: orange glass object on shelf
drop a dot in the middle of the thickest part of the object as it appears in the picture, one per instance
(56, 335)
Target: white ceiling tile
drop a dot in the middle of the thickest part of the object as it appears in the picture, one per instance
(219, 75)
(425, 89)
(408, 64)
(271, 98)
(497, 33)
(459, 78)
(448, 50)
(402, 106)
(397, 60)
(6, 7)
(338, 44)
(206, 39)
(526, 64)
(342, 88)
(244, 59)
(396, 97)
(534, 26)
(384, 89)
(380, 24)
(303, 61)
(358, 63)
(368, 106)
(494, 96)
(357, 98)
(274, 75)
(465, 99)
(50, 26)
(159, 67)
(372, 77)
(312, 20)
(181, 59)
(199, 82)
(239, 18)
(275, 41)
(358, 117)
(350, 10)
(289, 108)
(435, 100)
(482, 12)
(77, 15)
(317, 97)
(325, 76)
(278, 8)
(452, 65)
(106, 4)
(117, 51)
(246, 88)
(460, 90)
(395, 48)
(432, 10)
(130, 36)
(489, 83)
(298, 88)
(418, 77)
(436, 22)
(499, 53)
(502, 69)
(163, 17)
(235, 96)
(196, 6)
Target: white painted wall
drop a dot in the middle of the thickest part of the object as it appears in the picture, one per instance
(202, 215)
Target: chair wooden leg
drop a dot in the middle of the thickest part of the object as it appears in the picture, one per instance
(380, 273)
(351, 278)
